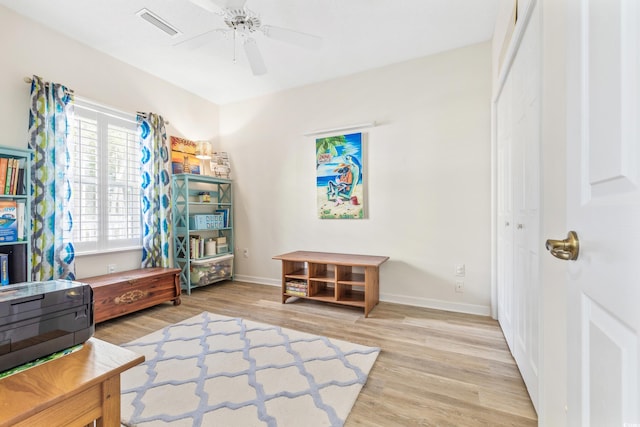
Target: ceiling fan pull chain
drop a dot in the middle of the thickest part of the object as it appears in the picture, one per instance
(234, 45)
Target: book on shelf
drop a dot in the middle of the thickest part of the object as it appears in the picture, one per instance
(196, 246)
(20, 206)
(7, 180)
(4, 269)
(296, 293)
(8, 221)
(225, 216)
(17, 262)
(297, 288)
(11, 176)
(20, 182)
(4, 164)
(14, 177)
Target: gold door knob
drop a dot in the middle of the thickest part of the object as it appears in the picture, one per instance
(566, 249)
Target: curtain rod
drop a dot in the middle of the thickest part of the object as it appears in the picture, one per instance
(29, 80)
(166, 122)
(341, 128)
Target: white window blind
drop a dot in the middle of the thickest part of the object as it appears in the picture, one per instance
(105, 164)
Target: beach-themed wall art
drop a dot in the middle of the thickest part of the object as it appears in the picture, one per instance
(339, 185)
(183, 156)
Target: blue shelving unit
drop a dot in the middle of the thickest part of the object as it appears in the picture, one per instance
(198, 267)
(19, 251)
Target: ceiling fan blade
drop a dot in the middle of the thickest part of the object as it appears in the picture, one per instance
(305, 40)
(213, 6)
(201, 39)
(235, 4)
(216, 6)
(255, 57)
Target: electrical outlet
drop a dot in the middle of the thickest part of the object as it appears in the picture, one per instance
(111, 268)
(459, 270)
(245, 252)
(459, 286)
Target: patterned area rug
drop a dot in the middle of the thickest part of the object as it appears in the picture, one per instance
(214, 370)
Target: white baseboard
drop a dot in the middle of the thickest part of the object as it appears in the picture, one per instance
(457, 307)
(258, 280)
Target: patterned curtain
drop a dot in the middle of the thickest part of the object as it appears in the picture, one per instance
(156, 191)
(51, 110)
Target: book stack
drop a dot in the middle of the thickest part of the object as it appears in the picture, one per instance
(196, 247)
(225, 214)
(296, 287)
(11, 176)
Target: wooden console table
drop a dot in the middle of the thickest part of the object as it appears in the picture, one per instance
(71, 391)
(124, 292)
(331, 277)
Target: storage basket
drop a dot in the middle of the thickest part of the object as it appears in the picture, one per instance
(206, 271)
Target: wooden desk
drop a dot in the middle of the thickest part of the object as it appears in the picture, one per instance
(337, 278)
(71, 391)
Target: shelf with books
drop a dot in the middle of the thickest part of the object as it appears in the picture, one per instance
(202, 208)
(15, 213)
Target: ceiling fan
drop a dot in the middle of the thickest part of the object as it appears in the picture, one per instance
(241, 24)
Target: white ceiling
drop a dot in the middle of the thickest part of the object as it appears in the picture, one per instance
(357, 35)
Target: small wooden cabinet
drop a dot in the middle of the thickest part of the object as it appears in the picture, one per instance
(121, 293)
(331, 277)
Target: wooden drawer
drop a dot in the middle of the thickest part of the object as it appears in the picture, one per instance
(124, 292)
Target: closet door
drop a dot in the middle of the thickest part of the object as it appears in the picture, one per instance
(504, 262)
(518, 232)
(526, 195)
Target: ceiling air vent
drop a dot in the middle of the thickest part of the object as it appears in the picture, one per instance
(155, 20)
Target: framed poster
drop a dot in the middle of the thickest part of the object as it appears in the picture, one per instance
(339, 184)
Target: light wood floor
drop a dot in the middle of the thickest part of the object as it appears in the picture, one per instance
(436, 368)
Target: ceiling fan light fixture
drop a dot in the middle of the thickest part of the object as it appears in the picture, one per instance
(242, 20)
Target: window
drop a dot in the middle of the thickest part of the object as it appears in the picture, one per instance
(105, 169)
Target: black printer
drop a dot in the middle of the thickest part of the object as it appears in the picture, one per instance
(41, 318)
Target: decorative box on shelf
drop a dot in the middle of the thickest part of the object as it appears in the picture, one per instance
(206, 222)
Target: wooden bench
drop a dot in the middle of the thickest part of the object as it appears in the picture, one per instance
(124, 292)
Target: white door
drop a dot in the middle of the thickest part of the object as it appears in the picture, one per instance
(504, 259)
(526, 204)
(518, 201)
(603, 207)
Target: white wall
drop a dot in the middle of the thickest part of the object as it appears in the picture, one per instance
(427, 172)
(28, 48)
